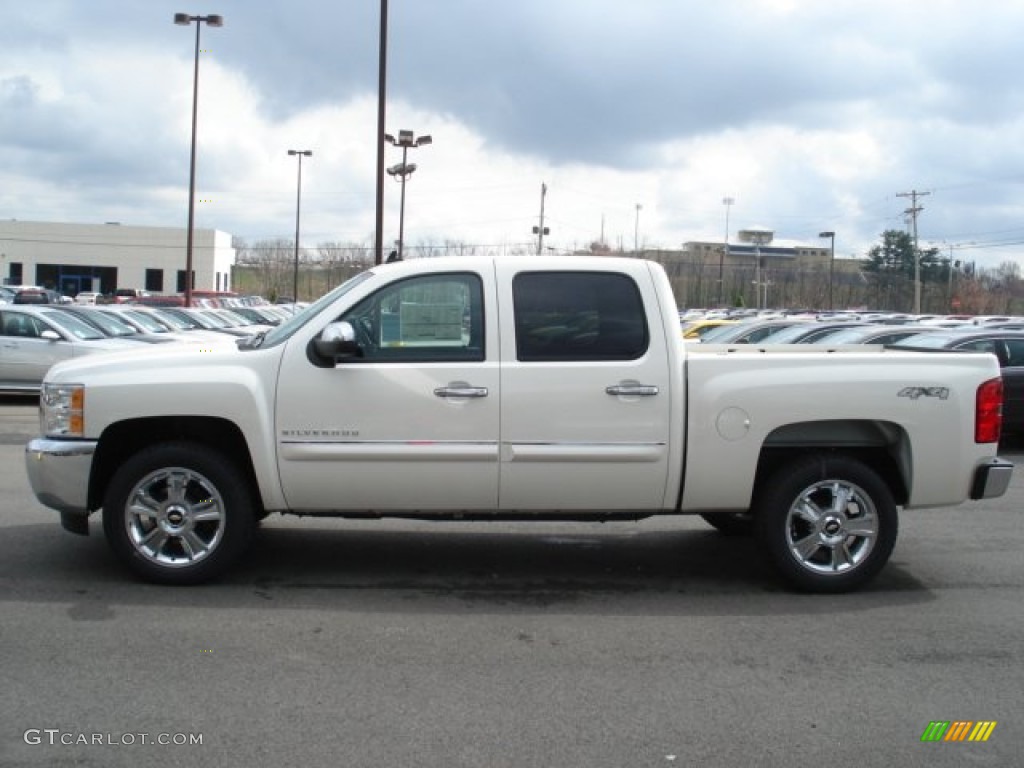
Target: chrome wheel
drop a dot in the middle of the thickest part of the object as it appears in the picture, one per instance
(179, 512)
(828, 523)
(832, 527)
(174, 517)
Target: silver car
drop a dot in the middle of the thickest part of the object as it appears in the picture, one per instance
(33, 338)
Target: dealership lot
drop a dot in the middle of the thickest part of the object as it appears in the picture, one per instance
(395, 643)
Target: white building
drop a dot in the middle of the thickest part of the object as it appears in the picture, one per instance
(103, 257)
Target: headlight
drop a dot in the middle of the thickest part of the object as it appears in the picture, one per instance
(61, 410)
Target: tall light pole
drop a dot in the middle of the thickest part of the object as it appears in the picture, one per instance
(184, 19)
(401, 171)
(758, 237)
(382, 87)
(727, 202)
(831, 262)
(541, 230)
(636, 231)
(300, 153)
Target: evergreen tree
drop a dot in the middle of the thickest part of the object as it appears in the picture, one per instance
(895, 256)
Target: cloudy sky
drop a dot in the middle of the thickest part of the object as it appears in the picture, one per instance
(811, 114)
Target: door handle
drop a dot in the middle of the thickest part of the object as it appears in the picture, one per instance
(632, 390)
(461, 391)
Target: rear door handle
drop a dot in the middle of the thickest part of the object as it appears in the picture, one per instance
(632, 390)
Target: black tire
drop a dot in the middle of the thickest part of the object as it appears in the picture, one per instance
(828, 524)
(731, 523)
(178, 513)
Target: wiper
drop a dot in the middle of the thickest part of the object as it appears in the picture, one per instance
(252, 342)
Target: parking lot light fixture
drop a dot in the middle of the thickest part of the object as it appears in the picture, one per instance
(184, 19)
(401, 171)
(759, 237)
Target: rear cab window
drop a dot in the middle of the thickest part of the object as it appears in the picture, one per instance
(578, 316)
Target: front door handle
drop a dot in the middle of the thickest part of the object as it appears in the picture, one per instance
(632, 390)
(462, 390)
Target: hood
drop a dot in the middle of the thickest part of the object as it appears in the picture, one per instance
(133, 359)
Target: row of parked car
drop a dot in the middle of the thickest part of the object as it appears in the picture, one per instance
(33, 294)
(1000, 336)
(33, 338)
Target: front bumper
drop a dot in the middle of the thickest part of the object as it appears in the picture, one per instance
(991, 479)
(58, 471)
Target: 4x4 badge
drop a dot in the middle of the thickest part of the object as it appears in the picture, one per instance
(915, 392)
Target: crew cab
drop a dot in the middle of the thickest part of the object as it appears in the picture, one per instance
(512, 388)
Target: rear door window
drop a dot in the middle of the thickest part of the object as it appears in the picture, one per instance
(578, 316)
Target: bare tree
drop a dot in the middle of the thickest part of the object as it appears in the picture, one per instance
(274, 262)
(340, 261)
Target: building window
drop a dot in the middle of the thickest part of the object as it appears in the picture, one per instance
(155, 280)
(181, 280)
(15, 274)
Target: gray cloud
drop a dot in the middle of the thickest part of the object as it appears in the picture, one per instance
(569, 84)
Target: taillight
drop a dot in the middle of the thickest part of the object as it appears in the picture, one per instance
(988, 412)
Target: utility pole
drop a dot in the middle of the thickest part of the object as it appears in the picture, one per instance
(913, 210)
(541, 230)
(949, 287)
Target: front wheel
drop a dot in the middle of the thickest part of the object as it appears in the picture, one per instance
(828, 524)
(178, 513)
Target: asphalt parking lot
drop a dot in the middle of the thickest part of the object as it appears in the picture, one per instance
(659, 643)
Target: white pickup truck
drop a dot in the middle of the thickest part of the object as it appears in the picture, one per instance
(512, 388)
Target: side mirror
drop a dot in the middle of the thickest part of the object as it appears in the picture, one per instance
(50, 335)
(336, 342)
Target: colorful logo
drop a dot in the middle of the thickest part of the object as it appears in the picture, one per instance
(958, 730)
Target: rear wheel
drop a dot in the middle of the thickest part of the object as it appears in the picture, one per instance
(828, 524)
(178, 513)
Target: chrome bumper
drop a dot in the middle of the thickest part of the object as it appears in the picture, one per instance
(58, 471)
(991, 479)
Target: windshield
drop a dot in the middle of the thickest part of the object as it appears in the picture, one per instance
(73, 325)
(173, 319)
(284, 331)
(786, 335)
(189, 318)
(231, 318)
(149, 323)
(719, 332)
(215, 320)
(109, 324)
(846, 336)
(931, 340)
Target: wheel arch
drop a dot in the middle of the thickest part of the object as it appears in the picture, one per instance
(123, 439)
(882, 445)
